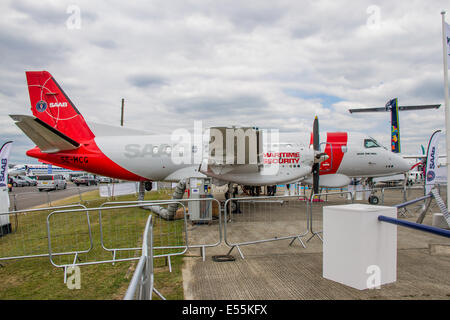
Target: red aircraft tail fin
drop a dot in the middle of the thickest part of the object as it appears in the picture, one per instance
(50, 104)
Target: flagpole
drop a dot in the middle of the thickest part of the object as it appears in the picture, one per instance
(447, 104)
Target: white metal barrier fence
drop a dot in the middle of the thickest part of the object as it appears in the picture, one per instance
(123, 227)
(28, 236)
(255, 220)
(397, 195)
(142, 283)
(74, 233)
(316, 201)
(195, 232)
(118, 232)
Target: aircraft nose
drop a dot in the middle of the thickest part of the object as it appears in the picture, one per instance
(402, 164)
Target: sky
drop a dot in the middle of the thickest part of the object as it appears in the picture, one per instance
(269, 64)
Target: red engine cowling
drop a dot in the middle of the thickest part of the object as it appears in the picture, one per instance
(335, 151)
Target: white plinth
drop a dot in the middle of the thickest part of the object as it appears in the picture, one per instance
(358, 250)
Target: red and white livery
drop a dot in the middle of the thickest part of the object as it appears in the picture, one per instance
(63, 137)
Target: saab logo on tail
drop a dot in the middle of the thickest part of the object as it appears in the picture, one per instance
(41, 106)
(58, 104)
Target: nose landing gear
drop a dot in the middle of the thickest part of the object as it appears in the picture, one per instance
(374, 200)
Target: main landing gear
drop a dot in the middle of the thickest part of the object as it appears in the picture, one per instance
(232, 192)
(148, 185)
(144, 186)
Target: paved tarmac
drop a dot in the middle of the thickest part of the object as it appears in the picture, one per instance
(276, 270)
(28, 197)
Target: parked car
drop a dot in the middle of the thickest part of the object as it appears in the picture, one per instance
(73, 176)
(29, 181)
(86, 180)
(105, 180)
(16, 182)
(51, 182)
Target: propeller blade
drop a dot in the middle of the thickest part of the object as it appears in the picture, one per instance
(315, 171)
(316, 134)
(316, 165)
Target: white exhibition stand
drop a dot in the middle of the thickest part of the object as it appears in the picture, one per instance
(358, 250)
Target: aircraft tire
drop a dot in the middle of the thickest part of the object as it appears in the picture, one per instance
(148, 186)
(374, 200)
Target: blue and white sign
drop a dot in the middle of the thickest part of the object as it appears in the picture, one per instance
(432, 161)
(4, 155)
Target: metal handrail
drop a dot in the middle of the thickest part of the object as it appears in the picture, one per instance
(416, 226)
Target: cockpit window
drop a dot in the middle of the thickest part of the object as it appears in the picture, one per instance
(370, 143)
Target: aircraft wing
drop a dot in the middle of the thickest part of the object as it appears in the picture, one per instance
(418, 156)
(47, 138)
(413, 156)
(395, 177)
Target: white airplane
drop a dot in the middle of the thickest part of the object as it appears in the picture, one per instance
(63, 138)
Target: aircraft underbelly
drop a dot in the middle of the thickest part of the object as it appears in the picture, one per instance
(259, 178)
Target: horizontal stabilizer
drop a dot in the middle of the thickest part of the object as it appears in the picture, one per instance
(422, 107)
(401, 108)
(48, 139)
